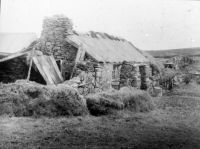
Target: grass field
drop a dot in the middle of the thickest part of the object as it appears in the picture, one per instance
(173, 124)
(195, 51)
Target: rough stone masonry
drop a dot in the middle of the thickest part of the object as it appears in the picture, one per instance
(52, 42)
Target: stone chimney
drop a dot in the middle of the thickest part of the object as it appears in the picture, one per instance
(56, 28)
(52, 41)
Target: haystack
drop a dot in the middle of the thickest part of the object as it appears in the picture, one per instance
(126, 98)
(31, 99)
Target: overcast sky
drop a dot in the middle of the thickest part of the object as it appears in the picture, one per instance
(148, 24)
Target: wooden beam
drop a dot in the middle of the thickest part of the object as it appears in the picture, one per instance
(79, 57)
(12, 56)
(56, 68)
(30, 65)
(72, 43)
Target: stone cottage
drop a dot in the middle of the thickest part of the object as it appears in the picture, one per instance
(97, 61)
(100, 60)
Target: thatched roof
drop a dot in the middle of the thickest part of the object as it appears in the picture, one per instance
(107, 48)
(14, 42)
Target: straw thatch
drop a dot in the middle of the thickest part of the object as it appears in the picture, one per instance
(107, 48)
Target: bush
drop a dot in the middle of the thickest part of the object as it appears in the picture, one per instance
(167, 78)
(186, 61)
(167, 74)
(126, 98)
(198, 81)
(32, 99)
(187, 78)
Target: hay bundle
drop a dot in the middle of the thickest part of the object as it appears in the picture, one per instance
(136, 100)
(126, 98)
(32, 99)
(103, 103)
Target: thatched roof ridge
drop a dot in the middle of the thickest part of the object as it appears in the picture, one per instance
(107, 48)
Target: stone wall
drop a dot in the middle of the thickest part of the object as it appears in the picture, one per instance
(104, 76)
(100, 77)
(135, 75)
(129, 75)
(144, 76)
(94, 76)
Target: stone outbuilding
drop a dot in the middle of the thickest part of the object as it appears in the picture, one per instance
(17, 63)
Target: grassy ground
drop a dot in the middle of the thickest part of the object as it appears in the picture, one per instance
(174, 124)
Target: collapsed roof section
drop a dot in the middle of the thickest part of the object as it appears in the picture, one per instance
(46, 65)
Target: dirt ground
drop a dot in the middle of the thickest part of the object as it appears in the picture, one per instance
(174, 124)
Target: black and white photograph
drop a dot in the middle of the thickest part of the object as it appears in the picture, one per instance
(99, 74)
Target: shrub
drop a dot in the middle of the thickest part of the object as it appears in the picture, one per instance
(198, 81)
(167, 78)
(167, 74)
(187, 78)
(186, 61)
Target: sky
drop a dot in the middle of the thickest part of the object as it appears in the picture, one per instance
(148, 24)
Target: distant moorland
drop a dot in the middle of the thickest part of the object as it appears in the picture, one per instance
(175, 52)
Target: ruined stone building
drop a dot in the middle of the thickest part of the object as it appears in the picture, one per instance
(99, 60)
(102, 60)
